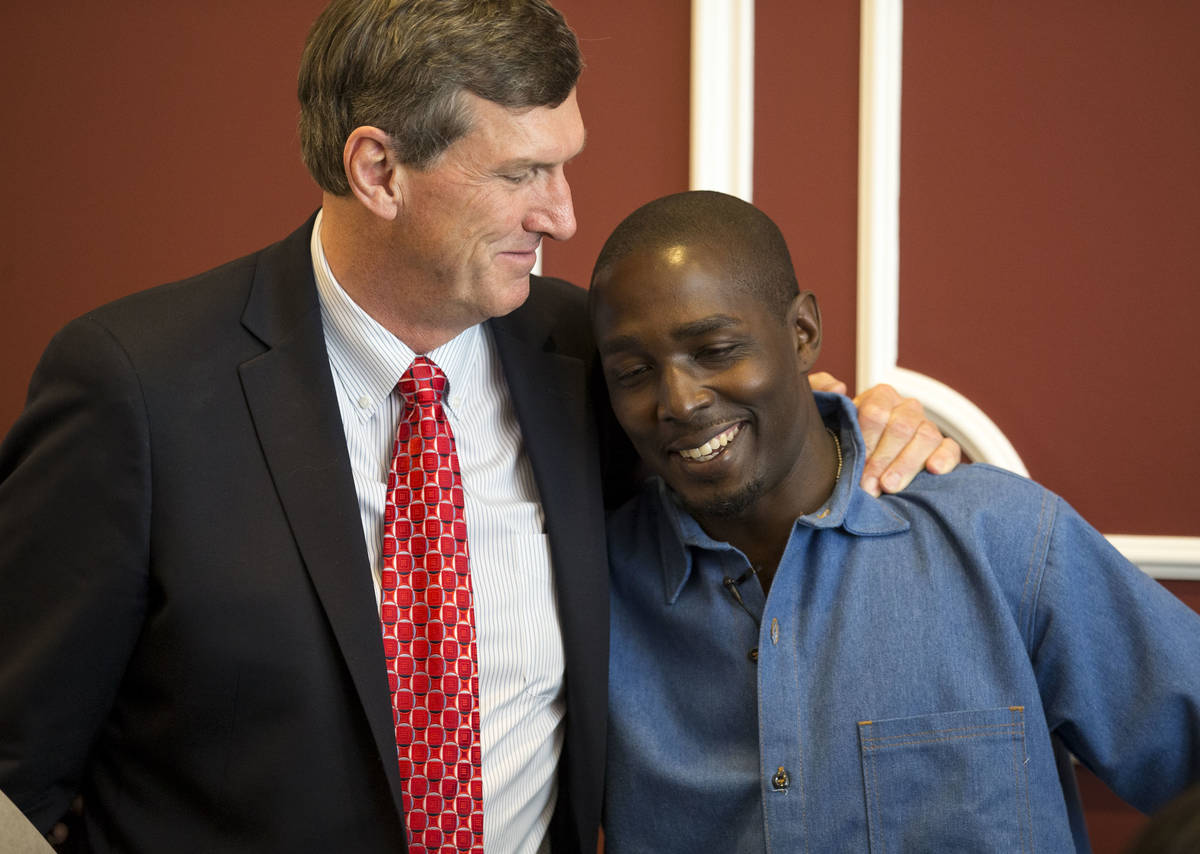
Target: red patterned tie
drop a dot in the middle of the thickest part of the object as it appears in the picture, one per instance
(428, 621)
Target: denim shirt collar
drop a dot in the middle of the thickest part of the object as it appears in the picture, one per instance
(849, 507)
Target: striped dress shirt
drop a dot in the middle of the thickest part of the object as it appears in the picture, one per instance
(520, 646)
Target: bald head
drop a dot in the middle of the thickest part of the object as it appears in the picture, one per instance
(751, 246)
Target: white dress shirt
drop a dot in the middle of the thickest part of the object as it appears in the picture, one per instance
(516, 613)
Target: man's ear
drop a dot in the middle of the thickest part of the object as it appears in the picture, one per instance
(374, 173)
(804, 317)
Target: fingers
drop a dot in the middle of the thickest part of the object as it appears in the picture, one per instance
(824, 381)
(913, 457)
(945, 458)
(900, 441)
(59, 833)
(904, 440)
(875, 408)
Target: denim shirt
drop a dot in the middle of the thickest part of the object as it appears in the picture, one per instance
(909, 684)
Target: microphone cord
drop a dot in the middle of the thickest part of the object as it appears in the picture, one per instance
(732, 584)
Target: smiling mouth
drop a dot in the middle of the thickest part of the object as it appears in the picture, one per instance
(713, 448)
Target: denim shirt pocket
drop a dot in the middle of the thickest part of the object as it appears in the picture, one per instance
(951, 781)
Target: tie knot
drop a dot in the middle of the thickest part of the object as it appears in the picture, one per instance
(422, 384)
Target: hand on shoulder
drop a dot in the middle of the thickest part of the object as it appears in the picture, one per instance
(900, 440)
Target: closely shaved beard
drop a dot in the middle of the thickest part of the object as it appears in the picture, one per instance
(729, 506)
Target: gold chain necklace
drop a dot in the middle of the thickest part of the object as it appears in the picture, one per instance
(837, 443)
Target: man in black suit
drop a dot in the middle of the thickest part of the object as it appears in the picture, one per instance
(192, 502)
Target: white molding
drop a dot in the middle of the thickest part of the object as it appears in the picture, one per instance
(1175, 558)
(878, 190)
(722, 93)
(979, 436)
(880, 69)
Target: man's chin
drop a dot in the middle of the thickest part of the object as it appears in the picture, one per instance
(722, 505)
(512, 298)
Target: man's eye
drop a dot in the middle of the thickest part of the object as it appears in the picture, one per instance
(717, 352)
(631, 375)
(519, 178)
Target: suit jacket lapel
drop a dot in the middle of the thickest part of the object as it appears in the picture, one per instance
(291, 396)
(551, 396)
(549, 393)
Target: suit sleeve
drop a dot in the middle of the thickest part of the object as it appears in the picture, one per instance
(75, 478)
(1118, 665)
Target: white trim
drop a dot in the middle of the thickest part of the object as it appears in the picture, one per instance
(880, 67)
(879, 190)
(1176, 558)
(722, 92)
(979, 436)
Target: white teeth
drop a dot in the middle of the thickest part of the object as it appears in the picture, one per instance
(710, 448)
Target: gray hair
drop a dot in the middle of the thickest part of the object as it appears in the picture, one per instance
(401, 66)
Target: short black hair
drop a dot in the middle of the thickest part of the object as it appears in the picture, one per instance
(759, 259)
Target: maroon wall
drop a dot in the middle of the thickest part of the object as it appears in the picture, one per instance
(806, 153)
(1049, 218)
(634, 98)
(144, 142)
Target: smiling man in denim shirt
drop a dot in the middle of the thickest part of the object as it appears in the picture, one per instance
(799, 666)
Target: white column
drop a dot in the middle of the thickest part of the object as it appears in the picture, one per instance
(722, 130)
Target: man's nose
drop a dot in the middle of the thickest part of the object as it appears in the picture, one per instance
(680, 395)
(554, 213)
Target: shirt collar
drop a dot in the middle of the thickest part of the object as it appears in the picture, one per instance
(370, 360)
(849, 507)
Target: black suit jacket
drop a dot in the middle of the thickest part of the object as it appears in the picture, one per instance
(188, 630)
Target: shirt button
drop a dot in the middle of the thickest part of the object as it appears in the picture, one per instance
(781, 780)
(774, 631)
(364, 402)
(753, 654)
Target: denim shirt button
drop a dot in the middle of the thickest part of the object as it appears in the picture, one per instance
(753, 655)
(781, 780)
(774, 631)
